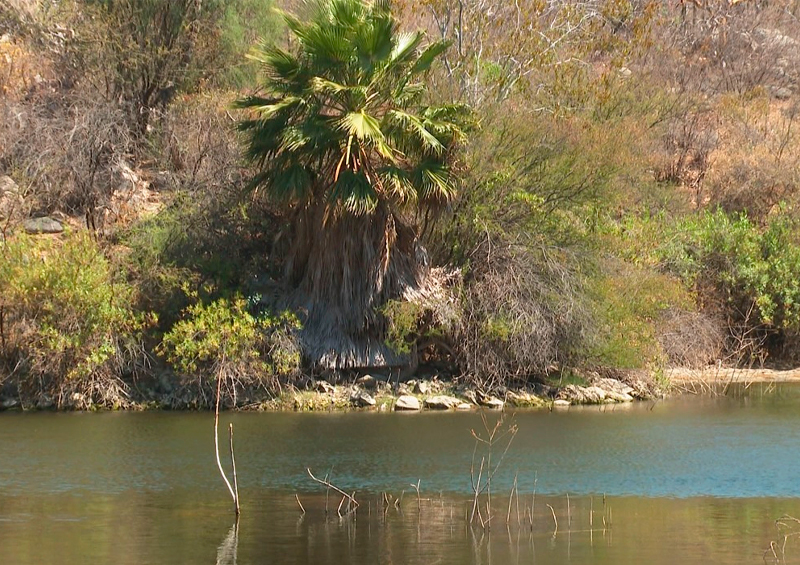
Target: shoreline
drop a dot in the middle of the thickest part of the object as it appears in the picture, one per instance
(369, 393)
(681, 377)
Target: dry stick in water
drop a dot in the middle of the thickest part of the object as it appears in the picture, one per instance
(510, 500)
(216, 446)
(416, 487)
(569, 515)
(297, 498)
(330, 485)
(233, 466)
(554, 520)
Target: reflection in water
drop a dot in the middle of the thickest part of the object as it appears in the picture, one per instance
(226, 552)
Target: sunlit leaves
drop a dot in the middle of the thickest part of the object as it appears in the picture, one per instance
(341, 117)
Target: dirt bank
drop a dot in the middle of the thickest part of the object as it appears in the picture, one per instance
(685, 378)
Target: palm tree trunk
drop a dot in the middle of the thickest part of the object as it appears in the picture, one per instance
(344, 268)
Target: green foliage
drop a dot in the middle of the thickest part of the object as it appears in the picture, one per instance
(225, 339)
(341, 121)
(403, 318)
(629, 305)
(68, 312)
(753, 269)
(243, 23)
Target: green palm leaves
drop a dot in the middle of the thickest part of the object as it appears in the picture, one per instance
(342, 121)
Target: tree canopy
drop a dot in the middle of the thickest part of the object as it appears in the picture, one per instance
(342, 120)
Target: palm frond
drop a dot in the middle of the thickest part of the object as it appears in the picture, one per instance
(429, 55)
(354, 192)
(411, 124)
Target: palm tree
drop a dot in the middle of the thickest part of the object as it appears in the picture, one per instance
(341, 136)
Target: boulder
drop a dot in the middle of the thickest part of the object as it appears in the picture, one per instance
(471, 396)
(11, 202)
(42, 224)
(8, 403)
(441, 402)
(618, 396)
(464, 406)
(489, 401)
(324, 386)
(560, 403)
(523, 398)
(407, 402)
(494, 403)
(594, 395)
(422, 387)
(362, 398)
(368, 381)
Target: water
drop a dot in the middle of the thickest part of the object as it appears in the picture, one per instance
(686, 481)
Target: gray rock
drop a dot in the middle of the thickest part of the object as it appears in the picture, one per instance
(494, 403)
(407, 402)
(781, 93)
(362, 398)
(11, 201)
(8, 403)
(464, 406)
(594, 395)
(613, 384)
(489, 401)
(560, 403)
(422, 387)
(324, 386)
(618, 396)
(368, 381)
(45, 401)
(441, 402)
(43, 224)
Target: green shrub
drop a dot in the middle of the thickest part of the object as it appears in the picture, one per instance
(749, 272)
(68, 325)
(630, 303)
(223, 340)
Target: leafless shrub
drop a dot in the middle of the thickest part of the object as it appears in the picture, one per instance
(524, 310)
(63, 151)
(687, 145)
(690, 339)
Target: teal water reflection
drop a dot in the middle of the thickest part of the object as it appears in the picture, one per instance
(689, 481)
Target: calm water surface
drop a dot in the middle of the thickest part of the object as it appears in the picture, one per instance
(686, 481)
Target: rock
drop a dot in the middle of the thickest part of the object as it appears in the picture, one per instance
(324, 386)
(489, 401)
(781, 93)
(522, 399)
(494, 403)
(471, 396)
(43, 224)
(464, 406)
(11, 202)
(613, 385)
(407, 402)
(44, 402)
(561, 403)
(618, 397)
(362, 398)
(8, 403)
(441, 402)
(594, 395)
(402, 389)
(422, 387)
(368, 381)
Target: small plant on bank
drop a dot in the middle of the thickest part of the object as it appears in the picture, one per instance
(223, 340)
